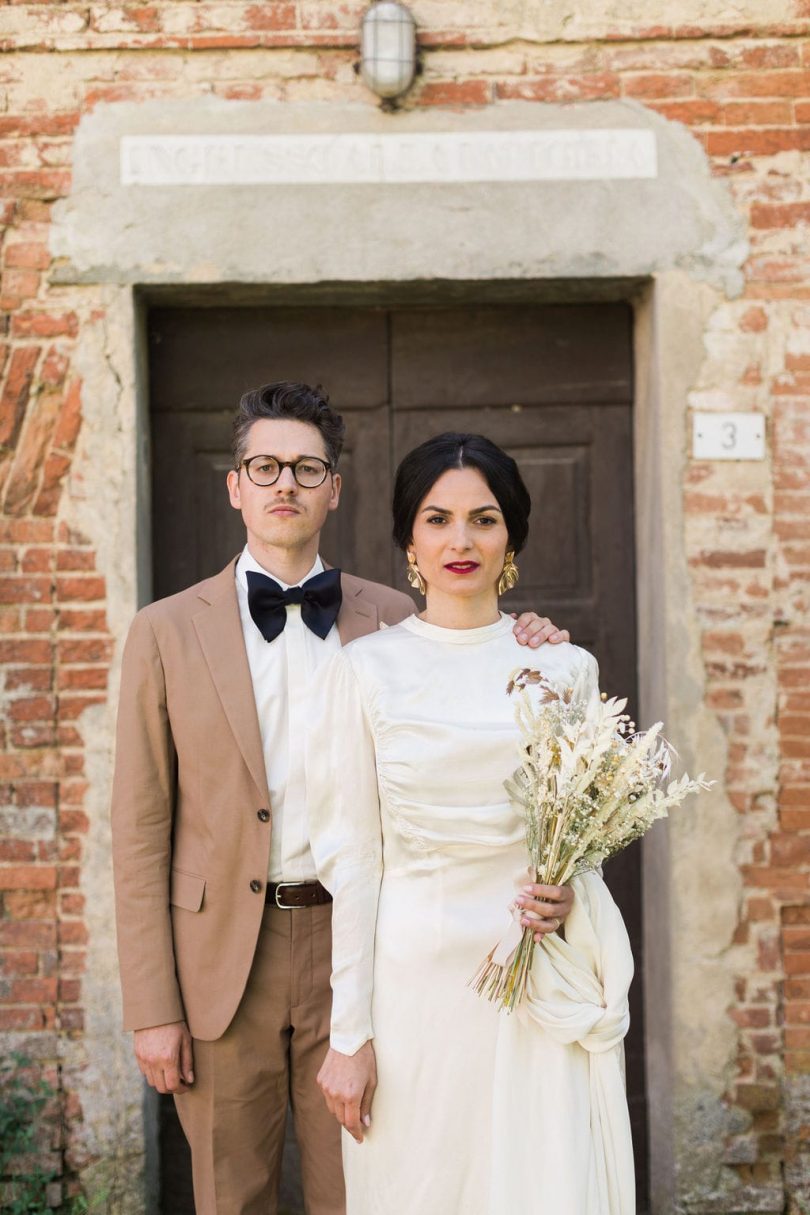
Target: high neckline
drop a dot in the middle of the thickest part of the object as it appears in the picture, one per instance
(437, 632)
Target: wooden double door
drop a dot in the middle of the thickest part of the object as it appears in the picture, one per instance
(553, 384)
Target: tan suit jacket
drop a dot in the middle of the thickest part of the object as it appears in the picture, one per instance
(189, 783)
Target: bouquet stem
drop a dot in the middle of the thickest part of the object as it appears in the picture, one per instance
(506, 983)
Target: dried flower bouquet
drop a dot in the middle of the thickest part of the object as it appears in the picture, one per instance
(587, 786)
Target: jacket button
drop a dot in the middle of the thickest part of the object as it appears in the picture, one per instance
(255, 885)
(263, 816)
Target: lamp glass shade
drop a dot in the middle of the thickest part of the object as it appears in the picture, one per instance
(388, 48)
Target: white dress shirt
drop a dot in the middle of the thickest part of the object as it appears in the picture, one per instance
(283, 672)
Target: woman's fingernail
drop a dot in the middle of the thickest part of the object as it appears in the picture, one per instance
(535, 641)
(367, 1120)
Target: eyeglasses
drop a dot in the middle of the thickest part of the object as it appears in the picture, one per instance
(309, 471)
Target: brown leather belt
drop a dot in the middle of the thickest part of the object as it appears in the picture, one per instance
(288, 895)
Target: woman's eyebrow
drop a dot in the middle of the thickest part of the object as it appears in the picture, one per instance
(442, 510)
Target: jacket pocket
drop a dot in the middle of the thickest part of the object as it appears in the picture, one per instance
(187, 890)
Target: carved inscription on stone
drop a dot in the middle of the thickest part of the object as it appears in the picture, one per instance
(364, 158)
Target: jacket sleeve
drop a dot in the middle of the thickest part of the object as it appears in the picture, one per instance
(142, 814)
(345, 835)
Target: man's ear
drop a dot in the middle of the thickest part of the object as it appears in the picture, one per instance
(233, 489)
(337, 482)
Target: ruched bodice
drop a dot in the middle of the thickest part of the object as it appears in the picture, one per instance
(413, 833)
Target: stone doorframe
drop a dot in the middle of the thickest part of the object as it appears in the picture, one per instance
(671, 244)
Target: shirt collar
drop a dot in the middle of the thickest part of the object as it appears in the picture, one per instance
(248, 562)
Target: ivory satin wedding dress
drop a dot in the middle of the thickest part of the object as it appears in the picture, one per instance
(476, 1112)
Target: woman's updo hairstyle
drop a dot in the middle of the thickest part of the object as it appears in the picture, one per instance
(422, 467)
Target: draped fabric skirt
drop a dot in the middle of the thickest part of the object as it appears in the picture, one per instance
(479, 1111)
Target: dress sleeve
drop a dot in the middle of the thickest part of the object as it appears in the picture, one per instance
(586, 682)
(345, 835)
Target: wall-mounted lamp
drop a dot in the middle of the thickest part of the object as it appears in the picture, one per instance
(388, 49)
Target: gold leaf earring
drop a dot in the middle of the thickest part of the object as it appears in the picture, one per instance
(414, 574)
(509, 574)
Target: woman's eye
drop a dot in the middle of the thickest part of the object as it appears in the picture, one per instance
(436, 519)
(487, 520)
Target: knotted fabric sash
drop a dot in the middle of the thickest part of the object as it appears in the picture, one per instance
(578, 995)
(320, 599)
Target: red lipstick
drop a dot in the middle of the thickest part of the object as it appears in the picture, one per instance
(462, 567)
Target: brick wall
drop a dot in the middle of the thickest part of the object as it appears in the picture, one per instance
(744, 91)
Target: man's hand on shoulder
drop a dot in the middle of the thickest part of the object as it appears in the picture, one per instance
(532, 630)
(165, 1057)
(348, 1083)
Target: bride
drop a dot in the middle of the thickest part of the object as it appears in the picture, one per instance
(449, 1106)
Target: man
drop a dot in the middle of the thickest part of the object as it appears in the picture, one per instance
(223, 928)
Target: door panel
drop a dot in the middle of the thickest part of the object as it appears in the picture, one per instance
(553, 385)
(463, 357)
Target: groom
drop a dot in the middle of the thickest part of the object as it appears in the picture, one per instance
(223, 928)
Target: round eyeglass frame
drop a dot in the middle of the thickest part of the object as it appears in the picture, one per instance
(282, 464)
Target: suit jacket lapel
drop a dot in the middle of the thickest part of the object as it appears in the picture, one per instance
(219, 629)
(357, 616)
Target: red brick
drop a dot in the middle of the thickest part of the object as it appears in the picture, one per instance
(23, 1018)
(779, 215)
(31, 991)
(797, 1062)
(27, 934)
(24, 590)
(79, 588)
(731, 560)
(756, 84)
(40, 620)
(756, 113)
(54, 367)
(36, 792)
(56, 468)
(790, 849)
(72, 707)
(20, 284)
(72, 932)
(270, 16)
(542, 88)
(70, 419)
(70, 991)
(15, 393)
(17, 851)
(754, 320)
(692, 111)
(36, 561)
(798, 962)
(44, 324)
(452, 93)
(18, 963)
(758, 1096)
(32, 708)
(26, 531)
(25, 650)
(80, 620)
(658, 85)
(85, 559)
(71, 1020)
(27, 878)
(27, 256)
(82, 678)
(751, 1018)
(762, 141)
(779, 54)
(96, 649)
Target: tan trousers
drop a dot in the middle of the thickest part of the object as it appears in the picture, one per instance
(234, 1116)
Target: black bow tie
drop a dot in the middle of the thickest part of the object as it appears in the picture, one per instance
(320, 598)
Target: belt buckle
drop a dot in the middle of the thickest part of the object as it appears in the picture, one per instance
(287, 906)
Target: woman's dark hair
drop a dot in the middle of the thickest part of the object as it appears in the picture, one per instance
(286, 399)
(422, 467)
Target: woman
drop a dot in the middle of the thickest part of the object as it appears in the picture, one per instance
(475, 1112)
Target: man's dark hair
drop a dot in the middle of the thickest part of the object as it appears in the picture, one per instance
(298, 402)
(422, 467)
